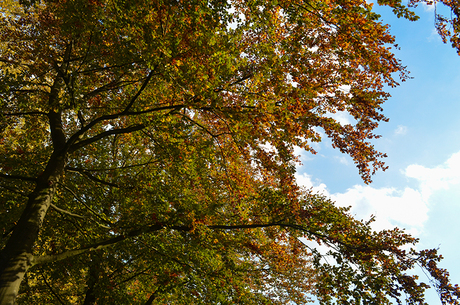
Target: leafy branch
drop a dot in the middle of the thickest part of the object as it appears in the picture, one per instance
(185, 228)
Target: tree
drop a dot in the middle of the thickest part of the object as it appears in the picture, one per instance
(147, 153)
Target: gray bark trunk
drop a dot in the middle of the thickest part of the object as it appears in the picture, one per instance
(16, 257)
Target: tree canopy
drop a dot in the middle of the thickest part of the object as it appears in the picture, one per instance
(147, 153)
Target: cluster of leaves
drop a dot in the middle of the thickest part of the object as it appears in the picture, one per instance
(147, 153)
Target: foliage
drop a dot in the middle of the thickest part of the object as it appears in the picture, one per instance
(147, 153)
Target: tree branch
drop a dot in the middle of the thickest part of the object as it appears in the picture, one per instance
(74, 138)
(25, 113)
(103, 118)
(67, 212)
(138, 93)
(104, 244)
(104, 134)
(51, 289)
(57, 133)
(175, 107)
(84, 170)
(96, 179)
(105, 68)
(115, 84)
(15, 190)
(238, 81)
(156, 227)
(214, 136)
(18, 177)
(91, 210)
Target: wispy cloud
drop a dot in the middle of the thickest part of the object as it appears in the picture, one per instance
(400, 130)
(342, 159)
(434, 36)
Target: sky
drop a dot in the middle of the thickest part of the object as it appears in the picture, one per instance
(420, 191)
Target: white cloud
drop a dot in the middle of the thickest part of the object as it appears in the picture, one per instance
(343, 117)
(401, 206)
(429, 7)
(439, 178)
(306, 181)
(342, 159)
(400, 130)
(391, 207)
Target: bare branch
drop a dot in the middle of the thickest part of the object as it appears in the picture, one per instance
(104, 134)
(76, 136)
(57, 257)
(7, 232)
(67, 212)
(175, 107)
(132, 276)
(238, 81)
(115, 84)
(138, 93)
(96, 179)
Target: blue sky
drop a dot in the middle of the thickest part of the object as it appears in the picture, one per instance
(421, 189)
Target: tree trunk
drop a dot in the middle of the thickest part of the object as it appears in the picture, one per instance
(16, 257)
(92, 280)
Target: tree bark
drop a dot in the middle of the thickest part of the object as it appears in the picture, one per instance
(92, 280)
(16, 257)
